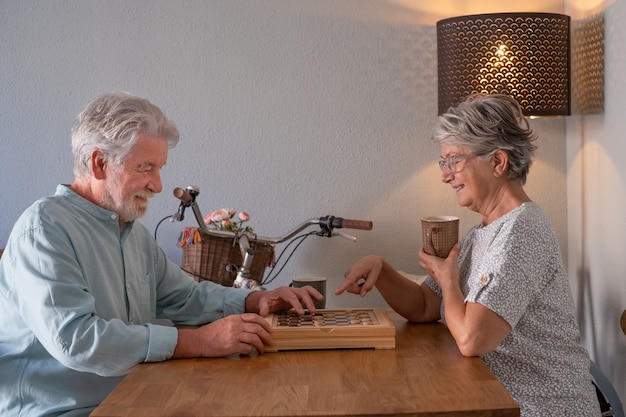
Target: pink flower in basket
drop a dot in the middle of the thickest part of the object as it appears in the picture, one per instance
(224, 219)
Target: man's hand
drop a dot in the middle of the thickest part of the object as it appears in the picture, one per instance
(244, 333)
(282, 298)
(236, 334)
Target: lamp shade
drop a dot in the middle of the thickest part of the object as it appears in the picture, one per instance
(524, 55)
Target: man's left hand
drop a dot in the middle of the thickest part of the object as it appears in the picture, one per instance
(283, 298)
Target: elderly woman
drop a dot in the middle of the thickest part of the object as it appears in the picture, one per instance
(503, 291)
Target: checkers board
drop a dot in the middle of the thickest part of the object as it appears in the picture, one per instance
(332, 329)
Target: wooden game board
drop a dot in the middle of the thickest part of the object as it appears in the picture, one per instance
(332, 329)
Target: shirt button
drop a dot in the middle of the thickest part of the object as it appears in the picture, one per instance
(484, 279)
(113, 217)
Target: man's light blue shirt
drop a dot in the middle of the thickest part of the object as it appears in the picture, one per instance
(79, 299)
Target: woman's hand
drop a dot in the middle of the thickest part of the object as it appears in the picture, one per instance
(362, 276)
(444, 271)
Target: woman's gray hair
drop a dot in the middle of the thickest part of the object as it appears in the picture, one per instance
(487, 123)
(112, 122)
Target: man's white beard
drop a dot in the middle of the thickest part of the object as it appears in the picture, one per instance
(128, 210)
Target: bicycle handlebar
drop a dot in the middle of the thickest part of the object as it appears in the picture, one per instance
(327, 223)
(182, 195)
(352, 224)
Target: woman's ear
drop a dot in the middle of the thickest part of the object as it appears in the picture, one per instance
(98, 164)
(500, 160)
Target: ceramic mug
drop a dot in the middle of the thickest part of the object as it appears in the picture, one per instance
(319, 283)
(440, 234)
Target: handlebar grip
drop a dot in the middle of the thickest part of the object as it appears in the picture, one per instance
(182, 195)
(356, 224)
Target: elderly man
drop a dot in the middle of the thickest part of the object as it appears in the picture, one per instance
(84, 288)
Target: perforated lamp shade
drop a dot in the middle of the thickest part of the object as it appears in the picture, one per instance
(524, 55)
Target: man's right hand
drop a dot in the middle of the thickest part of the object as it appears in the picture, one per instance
(232, 335)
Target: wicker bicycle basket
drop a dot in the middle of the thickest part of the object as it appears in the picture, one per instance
(218, 258)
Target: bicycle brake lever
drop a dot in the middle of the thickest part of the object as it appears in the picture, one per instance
(345, 236)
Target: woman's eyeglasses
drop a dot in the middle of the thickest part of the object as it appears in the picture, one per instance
(450, 162)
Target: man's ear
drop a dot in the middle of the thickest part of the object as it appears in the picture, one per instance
(500, 161)
(98, 164)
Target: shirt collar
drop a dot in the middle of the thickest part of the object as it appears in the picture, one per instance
(95, 210)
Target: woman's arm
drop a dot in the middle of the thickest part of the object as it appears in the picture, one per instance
(412, 301)
(476, 329)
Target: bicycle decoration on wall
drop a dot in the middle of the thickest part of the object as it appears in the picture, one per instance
(222, 249)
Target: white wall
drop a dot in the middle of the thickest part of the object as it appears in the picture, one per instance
(287, 109)
(597, 197)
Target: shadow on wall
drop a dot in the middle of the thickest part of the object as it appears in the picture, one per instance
(587, 98)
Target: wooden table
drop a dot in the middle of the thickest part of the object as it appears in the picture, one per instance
(424, 376)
